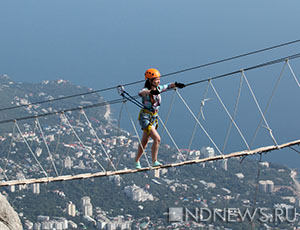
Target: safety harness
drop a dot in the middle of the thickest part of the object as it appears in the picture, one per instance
(153, 119)
(153, 115)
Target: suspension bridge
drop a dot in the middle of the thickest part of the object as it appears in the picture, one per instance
(106, 157)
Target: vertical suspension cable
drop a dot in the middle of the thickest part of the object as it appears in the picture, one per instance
(140, 143)
(57, 144)
(169, 112)
(288, 63)
(98, 139)
(198, 122)
(9, 150)
(58, 139)
(231, 118)
(199, 114)
(234, 113)
(48, 150)
(167, 131)
(37, 161)
(72, 139)
(256, 102)
(35, 128)
(119, 131)
(120, 115)
(80, 141)
(268, 104)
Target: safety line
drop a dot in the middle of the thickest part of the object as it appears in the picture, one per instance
(165, 75)
(116, 101)
(65, 110)
(57, 99)
(294, 56)
(216, 62)
(129, 98)
(231, 58)
(129, 171)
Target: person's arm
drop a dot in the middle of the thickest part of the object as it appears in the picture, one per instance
(176, 84)
(145, 92)
(172, 85)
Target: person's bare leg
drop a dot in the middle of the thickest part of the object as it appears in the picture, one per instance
(156, 141)
(144, 142)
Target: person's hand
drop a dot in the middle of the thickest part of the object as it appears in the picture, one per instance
(179, 85)
(154, 92)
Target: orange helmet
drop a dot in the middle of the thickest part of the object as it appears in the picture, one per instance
(152, 73)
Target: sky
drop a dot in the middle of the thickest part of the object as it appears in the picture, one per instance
(100, 44)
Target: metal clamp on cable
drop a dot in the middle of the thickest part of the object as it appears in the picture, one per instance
(127, 96)
(121, 90)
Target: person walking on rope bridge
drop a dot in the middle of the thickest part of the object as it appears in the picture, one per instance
(151, 99)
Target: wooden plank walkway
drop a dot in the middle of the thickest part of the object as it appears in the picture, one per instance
(128, 171)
